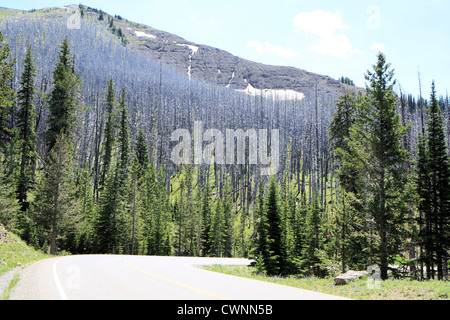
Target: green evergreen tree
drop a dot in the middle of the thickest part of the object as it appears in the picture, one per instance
(161, 226)
(139, 170)
(142, 149)
(123, 141)
(106, 227)
(206, 220)
(342, 121)
(262, 254)
(422, 185)
(148, 206)
(298, 227)
(274, 231)
(55, 207)
(342, 243)
(109, 131)
(6, 95)
(376, 141)
(228, 219)
(63, 98)
(123, 195)
(84, 234)
(314, 239)
(433, 187)
(217, 231)
(9, 205)
(26, 122)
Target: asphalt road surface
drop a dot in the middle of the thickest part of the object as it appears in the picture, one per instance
(114, 277)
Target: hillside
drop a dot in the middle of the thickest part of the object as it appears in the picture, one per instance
(208, 64)
(161, 96)
(216, 66)
(14, 254)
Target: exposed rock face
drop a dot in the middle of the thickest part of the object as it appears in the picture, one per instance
(219, 67)
(212, 65)
(349, 276)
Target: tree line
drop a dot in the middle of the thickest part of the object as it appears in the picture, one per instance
(363, 181)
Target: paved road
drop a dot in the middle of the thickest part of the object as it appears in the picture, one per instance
(111, 277)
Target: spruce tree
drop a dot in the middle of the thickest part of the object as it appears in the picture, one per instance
(314, 239)
(433, 187)
(6, 95)
(109, 131)
(228, 222)
(139, 168)
(274, 231)
(262, 253)
(26, 122)
(141, 149)
(106, 227)
(342, 121)
(118, 193)
(9, 205)
(56, 205)
(376, 141)
(149, 198)
(123, 139)
(206, 220)
(422, 185)
(63, 98)
(217, 231)
(161, 223)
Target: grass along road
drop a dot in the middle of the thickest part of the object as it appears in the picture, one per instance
(389, 290)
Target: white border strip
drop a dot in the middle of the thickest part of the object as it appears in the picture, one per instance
(59, 286)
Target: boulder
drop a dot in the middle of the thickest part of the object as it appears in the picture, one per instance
(349, 276)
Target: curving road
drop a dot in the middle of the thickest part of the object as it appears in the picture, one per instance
(114, 277)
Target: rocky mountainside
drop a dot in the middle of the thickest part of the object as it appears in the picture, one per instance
(216, 66)
(220, 67)
(205, 63)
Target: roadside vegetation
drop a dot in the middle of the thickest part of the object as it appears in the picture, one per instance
(15, 253)
(392, 289)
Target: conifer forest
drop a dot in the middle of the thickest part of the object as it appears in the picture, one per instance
(86, 142)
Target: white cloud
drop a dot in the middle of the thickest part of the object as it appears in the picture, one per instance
(267, 47)
(379, 47)
(325, 25)
(319, 23)
(192, 18)
(337, 45)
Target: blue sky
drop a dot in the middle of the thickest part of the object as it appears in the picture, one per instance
(336, 38)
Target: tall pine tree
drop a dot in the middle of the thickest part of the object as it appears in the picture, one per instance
(376, 141)
(26, 122)
(6, 95)
(63, 99)
(109, 132)
(433, 188)
(274, 231)
(55, 208)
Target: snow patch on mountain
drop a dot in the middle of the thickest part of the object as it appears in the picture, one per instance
(281, 94)
(144, 35)
(193, 48)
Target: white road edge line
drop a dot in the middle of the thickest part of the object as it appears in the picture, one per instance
(59, 286)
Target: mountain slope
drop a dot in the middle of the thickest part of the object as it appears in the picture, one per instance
(169, 81)
(220, 67)
(216, 66)
(208, 64)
